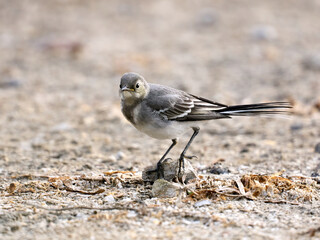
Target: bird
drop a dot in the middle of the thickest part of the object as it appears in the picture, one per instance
(163, 112)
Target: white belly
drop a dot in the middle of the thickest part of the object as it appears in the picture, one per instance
(170, 131)
(156, 127)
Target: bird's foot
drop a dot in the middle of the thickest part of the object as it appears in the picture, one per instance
(168, 169)
(181, 177)
(159, 170)
(191, 157)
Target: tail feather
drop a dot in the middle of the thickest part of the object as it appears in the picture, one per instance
(256, 109)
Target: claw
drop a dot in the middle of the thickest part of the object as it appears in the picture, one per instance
(191, 157)
(159, 170)
(181, 177)
(181, 172)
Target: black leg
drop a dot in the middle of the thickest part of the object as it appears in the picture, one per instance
(159, 164)
(182, 156)
(174, 142)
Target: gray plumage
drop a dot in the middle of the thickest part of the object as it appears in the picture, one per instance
(166, 113)
(170, 104)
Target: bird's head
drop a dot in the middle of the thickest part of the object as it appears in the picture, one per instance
(133, 88)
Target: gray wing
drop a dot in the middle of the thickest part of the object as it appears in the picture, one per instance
(177, 105)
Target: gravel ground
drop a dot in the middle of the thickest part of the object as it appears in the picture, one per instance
(70, 164)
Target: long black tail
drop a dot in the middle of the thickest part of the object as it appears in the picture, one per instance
(256, 109)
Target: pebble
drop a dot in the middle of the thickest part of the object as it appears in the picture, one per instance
(244, 150)
(264, 33)
(311, 62)
(131, 214)
(164, 189)
(133, 147)
(109, 199)
(202, 203)
(64, 126)
(110, 159)
(10, 83)
(120, 155)
(218, 169)
(89, 120)
(14, 228)
(316, 177)
(170, 170)
(317, 148)
(87, 166)
(206, 18)
(296, 126)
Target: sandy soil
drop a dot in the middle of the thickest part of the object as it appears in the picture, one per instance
(62, 132)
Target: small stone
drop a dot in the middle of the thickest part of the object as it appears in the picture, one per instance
(170, 171)
(38, 141)
(317, 148)
(109, 199)
(296, 127)
(87, 166)
(149, 174)
(89, 120)
(58, 154)
(14, 228)
(10, 83)
(202, 203)
(133, 147)
(316, 106)
(218, 169)
(316, 177)
(131, 214)
(264, 33)
(110, 159)
(311, 62)
(120, 155)
(12, 187)
(244, 150)
(61, 127)
(207, 18)
(164, 189)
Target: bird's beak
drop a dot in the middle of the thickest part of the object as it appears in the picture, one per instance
(127, 89)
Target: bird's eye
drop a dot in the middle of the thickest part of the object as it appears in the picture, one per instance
(137, 85)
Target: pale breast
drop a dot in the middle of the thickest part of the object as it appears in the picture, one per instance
(153, 124)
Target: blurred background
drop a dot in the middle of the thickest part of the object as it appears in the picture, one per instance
(61, 61)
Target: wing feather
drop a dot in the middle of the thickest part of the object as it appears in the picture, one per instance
(173, 104)
(192, 108)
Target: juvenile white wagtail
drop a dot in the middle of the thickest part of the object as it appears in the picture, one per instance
(166, 113)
